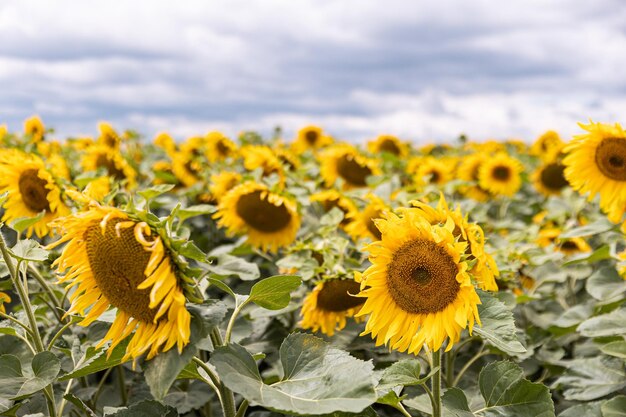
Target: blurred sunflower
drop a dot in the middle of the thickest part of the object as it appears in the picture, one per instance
(186, 168)
(418, 291)
(287, 158)
(596, 163)
(500, 175)
(361, 223)
(547, 146)
(32, 190)
(333, 198)
(389, 144)
(270, 220)
(166, 142)
(222, 183)
(3, 132)
(34, 127)
(4, 298)
(568, 246)
(258, 156)
(219, 147)
(434, 171)
(310, 137)
(329, 304)
(113, 260)
(98, 188)
(345, 162)
(468, 170)
(549, 179)
(108, 136)
(112, 161)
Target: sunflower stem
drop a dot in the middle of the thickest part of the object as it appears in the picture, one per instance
(121, 380)
(450, 356)
(435, 383)
(58, 334)
(16, 321)
(243, 407)
(231, 322)
(228, 398)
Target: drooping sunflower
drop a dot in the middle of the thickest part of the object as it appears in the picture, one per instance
(549, 179)
(484, 268)
(468, 170)
(547, 146)
(32, 190)
(345, 162)
(329, 304)
(333, 198)
(310, 137)
(222, 183)
(418, 290)
(270, 220)
(361, 223)
(34, 127)
(500, 175)
(112, 260)
(219, 147)
(596, 163)
(389, 144)
(108, 136)
(112, 161)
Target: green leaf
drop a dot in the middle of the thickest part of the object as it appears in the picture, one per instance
(600, 254)
(78, 403)
(605, 283)
(318, 379)
(405, 373)
(191, 251)
(222, 286)
(610, 324)
(274, 293)
(17, 381)
(148, 408)
(97, 361)
(600, 226)
(508, 394)
(617, 349)
(188, 400)
(155, 190)
(592, 378)
(29, 250)
(455, 403)
(498, 326)
(193, 211)
(226, 265)
(162, 370)
(24, 223)
(583, 410)
(615, 407)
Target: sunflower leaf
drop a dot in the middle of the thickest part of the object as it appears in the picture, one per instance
(592, 378)
(193, 211)
(615, 407)
(24, 223)
(96, 360)
(455, 403)
(605, 284)
(498, 326)
(600, 226)
(147, 408)
(17, 381)
(610, 324)
(318, 379)
(155, 190)
(274, 293)
(226, 265)
(29, 250)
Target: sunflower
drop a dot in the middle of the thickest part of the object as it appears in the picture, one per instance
(34, 128)
(219, 147)
(114, 164)
(361, 223)
(333, 198)
(113, 260)
(4, 298)
(310, 137)
(257, 156)
(3, 132)
(549, 179)
(345, 162)
(434, 171)
(166, 142)
(222, 183)
(98, 188)
(484, 268)
(186, 168)
(389, 144)
(547, 146)
(270, 220)
(596, 163)
(32, 190)
(468, 171)
(500, 175)
(108, 136)
(329, 304)
(568, 246)
(418, 290)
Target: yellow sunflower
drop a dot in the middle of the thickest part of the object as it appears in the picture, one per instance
(34, 128)
(166, 142)
(500, 175)
(187, 168)
(268, 219)
(434, 171)
(549, 179)
(32, 190)
(222, 183)
(596, 163)
(468, 171)
(345, 162)
(257, 156)
(98, 188)
(112, 260)
(108, 136)
(361, 223)
(547, 146)
(103, 157)
(418, 290)
(310, 137)
(3, 132)
(219, 147)
(568, 246)
(389, 144)
(333, 198)
(329, 304)
(4, 298)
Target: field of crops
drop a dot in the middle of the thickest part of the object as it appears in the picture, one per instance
(267, 276)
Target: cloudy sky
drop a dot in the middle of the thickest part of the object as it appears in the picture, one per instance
(421, 70)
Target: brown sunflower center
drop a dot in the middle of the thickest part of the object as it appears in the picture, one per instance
(569, 246)
(222, 149)
(108, 163)
(502, 173)
(352, 172)
(262, 215)
(421, 277)
(335, 295)
(371, 226)
(611, 158)
(390, 146)
(311, 137)
(118, 265)
(33, 191)
(552, 176)
(434, 177)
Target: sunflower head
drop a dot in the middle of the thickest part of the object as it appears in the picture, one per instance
(260, 156)
(310, 138)
(220, 184)
(166, 142)
(362, 222)
(388, 144)
(547, 146)
(111, 161)
(500, 175)
(270, 220)
(219, 147)
(418, 290)
(112, 259)
(333, 198)
(549, 179)
(108, 136)
(433, 171)
(4, 299)
(329, 304)
(345, 162)
(34, 128)
(187, 168)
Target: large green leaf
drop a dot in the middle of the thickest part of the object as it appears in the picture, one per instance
(498, 326)
(599, 226)
(274, 293)
(148, 408)
(97, 360)
(17, 380)
(592, 378)
(616, 348)
(455, 403)
(610, 324)
(318, 379)
(226, 265)
(583, 410)
(605, 284)
(29, 250)
(615, 407)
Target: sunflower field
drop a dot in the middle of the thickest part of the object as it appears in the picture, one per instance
(309, 276)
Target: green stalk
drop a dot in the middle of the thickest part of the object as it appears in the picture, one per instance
(435, 383)
(228, 398)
